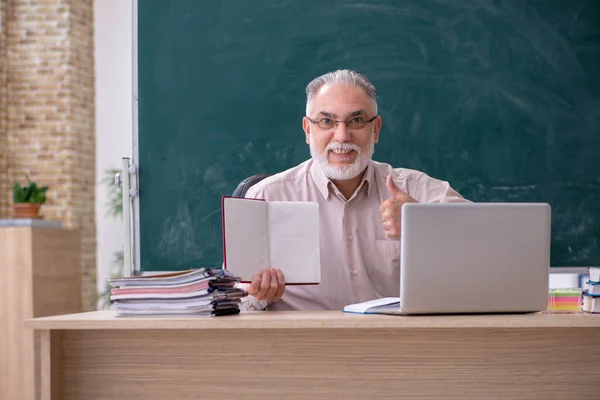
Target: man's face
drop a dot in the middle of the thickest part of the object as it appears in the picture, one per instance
(342, 152)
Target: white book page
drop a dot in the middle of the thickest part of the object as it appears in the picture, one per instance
(246, 237)
(373, 305)
(294, 240)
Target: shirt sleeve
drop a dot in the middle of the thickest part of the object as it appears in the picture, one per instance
(249, 303)
(426, 189)
(253, 193)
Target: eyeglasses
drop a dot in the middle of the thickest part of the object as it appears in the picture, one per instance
(354, 124)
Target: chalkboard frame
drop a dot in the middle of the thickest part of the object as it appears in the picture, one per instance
(136, 250)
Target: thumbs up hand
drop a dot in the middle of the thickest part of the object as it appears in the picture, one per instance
(391, 209)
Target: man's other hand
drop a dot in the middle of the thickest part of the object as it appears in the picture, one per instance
(267, 285)
(391, 209)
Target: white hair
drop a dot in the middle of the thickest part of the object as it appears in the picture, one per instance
(345, 76)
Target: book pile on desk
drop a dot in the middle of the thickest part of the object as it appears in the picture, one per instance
(206, 292)
(591, 295)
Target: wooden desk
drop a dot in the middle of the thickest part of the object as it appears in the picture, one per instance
(320, 355)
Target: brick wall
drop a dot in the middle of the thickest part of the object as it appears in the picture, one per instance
(82, 111)
(49, 114)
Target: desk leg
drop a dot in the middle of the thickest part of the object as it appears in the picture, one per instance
(48, 372)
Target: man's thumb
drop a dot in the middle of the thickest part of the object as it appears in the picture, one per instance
(392, 188)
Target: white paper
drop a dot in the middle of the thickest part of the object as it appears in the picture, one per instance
(246, 237)
(283, 235)
(374, 305)
(294, 240)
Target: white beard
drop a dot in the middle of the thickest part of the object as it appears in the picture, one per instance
(345, 172)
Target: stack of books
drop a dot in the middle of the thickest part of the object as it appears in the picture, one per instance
(206, 292)
(591, 295)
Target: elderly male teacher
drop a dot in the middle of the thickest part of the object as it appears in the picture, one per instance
(359, 201)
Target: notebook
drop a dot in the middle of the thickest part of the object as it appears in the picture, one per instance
(386, 305)
(260, 234)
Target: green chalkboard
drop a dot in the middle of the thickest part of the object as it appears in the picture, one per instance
(500, 98)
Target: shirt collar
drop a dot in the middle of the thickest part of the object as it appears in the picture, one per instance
(369, 178)
(324, 184)
(320, 179)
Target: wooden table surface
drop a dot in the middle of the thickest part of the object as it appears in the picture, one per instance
(319, 355)
(313, 319)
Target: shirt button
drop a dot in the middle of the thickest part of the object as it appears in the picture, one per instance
(354, 272)
(350, 237)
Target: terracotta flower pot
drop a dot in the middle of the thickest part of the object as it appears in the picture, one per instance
(27, 210)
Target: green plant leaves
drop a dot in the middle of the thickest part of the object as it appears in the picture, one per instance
(114, 203)
(40, 196)
(30, 193)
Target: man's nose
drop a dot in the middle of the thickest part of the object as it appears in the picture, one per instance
(341, 133)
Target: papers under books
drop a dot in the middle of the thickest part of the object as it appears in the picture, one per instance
(386, 305)
(261, 234)
(209, 292)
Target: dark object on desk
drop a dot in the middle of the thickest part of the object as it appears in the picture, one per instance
(499, 98)
(243, 186)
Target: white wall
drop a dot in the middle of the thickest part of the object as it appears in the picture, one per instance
(113, 64)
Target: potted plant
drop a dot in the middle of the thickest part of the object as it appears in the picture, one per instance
(28, 199)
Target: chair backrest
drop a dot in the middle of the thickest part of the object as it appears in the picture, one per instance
(243, 186)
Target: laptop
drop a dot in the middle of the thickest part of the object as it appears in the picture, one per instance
(464, 258)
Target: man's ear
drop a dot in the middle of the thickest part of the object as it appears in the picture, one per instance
(376, 128)
(306, 127)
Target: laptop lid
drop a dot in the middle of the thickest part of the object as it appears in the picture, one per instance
(474, 257)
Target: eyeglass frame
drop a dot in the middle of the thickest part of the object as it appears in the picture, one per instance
(343, 120)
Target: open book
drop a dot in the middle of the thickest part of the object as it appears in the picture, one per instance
(261, 234)
(386, 305)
